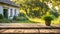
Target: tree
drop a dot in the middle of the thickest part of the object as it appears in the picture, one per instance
(36, 7)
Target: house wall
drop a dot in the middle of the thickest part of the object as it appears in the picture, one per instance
(13, 14)
(9, 7)
(1, 10)
(17, 12)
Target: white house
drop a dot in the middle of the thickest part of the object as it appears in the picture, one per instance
(8, 9)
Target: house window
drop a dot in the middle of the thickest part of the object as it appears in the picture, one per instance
(11, 13)
(15, 12)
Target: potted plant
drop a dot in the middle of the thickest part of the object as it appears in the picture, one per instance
(48, 20)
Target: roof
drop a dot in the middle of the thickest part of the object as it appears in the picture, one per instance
(9, 3)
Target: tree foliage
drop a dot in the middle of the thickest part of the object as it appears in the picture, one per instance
(37, 8)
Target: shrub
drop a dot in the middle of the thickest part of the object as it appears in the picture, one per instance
(1, 21)
(1, 16)
(5, 21)
(17, 18)
(21, 17)
(48, 18)
(22, 14)
(14, 18)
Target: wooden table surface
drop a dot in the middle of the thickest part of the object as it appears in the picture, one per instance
(28, 28)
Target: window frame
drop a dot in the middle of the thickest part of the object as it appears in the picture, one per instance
(11, 12)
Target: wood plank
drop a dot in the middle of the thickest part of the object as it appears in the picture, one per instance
(27, 26)
(2, 30)
(31, 31)
(13, 31)
(49, 30)
(20, 31)
(8, 31)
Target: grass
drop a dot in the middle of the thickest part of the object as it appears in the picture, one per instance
(37, 20)
(25, 21)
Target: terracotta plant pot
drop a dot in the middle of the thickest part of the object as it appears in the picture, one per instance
(47, 22)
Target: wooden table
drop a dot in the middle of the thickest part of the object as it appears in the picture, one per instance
(28, 29)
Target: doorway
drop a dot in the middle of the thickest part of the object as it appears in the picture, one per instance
(5, 13)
